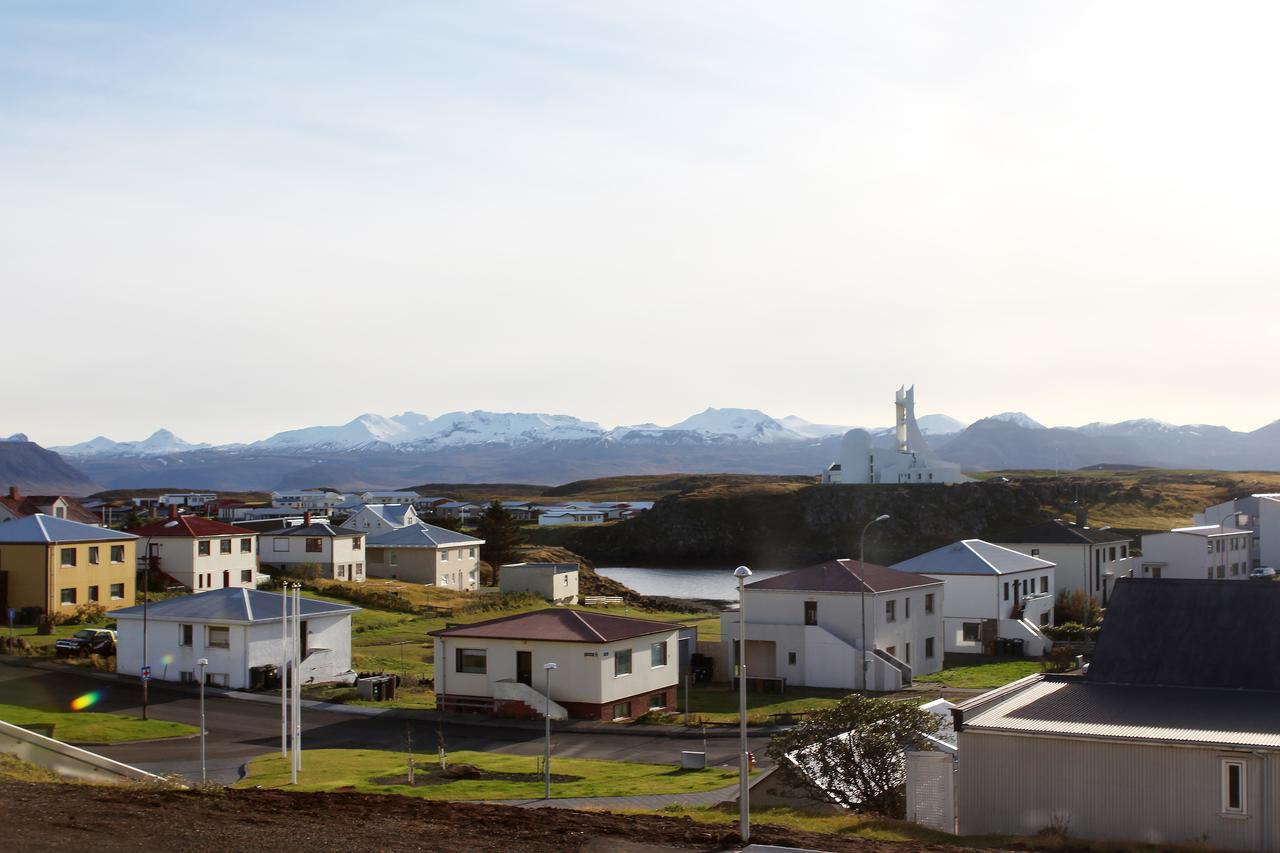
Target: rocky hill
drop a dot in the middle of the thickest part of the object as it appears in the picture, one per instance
(806, 525)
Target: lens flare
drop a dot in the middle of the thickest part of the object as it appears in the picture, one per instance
(88, 700)
(166, 660)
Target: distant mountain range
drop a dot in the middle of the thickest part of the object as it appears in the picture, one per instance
(377, 451)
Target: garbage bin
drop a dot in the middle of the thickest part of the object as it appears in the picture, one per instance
(1017, 646)
(1002, 647)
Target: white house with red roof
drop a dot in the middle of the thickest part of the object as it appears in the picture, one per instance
(200, 553)
(805, 628)
(606, 667)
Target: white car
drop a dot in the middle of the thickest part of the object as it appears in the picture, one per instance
(1263, 572)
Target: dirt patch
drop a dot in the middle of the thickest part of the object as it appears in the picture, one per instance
(49, 817)
(467, 771)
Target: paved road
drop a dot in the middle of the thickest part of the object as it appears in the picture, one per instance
(240, 730)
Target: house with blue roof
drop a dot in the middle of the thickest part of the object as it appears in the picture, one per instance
(237, 630)
(54, 565)
(424, 553)
(993, 595)
(378, 518)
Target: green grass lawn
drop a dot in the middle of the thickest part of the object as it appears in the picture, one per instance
(383, 772)
(90, 727)
(981, 676)
(43, 644)
(719, 703)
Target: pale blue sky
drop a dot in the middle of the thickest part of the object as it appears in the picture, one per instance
(231, 219)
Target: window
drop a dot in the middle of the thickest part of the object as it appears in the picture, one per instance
(1044, 618)
(906, 607)
(1233, 787)
(928, 602)
(1044, 584)
(67, 596)
(68, 556)
(359, 570)
(93, 555)
(200, 581)
(314, 545)
(1111, 553)
(60, 512)
(1006, 590)
(970, 631)
(186, 634)
(224, 546)
(355, 543)
(93, 593)
(928, 647)
(473, 553)
(890, 610)
(474, 661)
(622, 663)
(246, 576)
(658, 654)
(246, 546)
(791, 658)
(117, 591)
(117, 553)
(342, 572)
(622, 710)
(1035, 552)
(279, 544)
(393, 559)
(219, 637)
(811, 613)
(907, 649)
(203, 547)
(657, 700)
(1222, 571)
(444, 554)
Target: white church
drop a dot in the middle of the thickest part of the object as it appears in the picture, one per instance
(909, 461)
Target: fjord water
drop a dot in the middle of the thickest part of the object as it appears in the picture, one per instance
(712, 584)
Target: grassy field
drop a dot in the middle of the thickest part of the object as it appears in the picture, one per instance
(981, 676)
(504, 776)
(90, 727)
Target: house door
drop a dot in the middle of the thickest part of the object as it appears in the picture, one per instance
(1155, 572)
(226, 578)
(524, 668)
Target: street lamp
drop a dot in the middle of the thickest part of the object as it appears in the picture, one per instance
(546, 764)
(862, 571)
(203, 663)
(744, 759)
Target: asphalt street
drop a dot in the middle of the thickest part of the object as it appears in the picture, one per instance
(239, 730)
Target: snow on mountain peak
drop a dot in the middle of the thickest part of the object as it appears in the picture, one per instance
(1018, 418)
(17, 436)
(745, 424)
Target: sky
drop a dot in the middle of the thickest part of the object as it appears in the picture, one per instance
(237, 218)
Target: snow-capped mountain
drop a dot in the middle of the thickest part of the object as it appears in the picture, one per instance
(1020, 418)
(743, 424)
(365, 430)
(940, 425)
(17, 436)
(456, 429)
(808, 429)
(160, 443)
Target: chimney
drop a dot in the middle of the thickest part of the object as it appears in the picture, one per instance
(1082, 515)
(14, 494)
(306, 518)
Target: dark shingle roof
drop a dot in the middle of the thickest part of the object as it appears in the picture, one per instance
(844, 575)
(1058, 532)
(1191, 633)
(560, 625)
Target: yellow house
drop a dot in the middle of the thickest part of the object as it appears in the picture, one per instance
(56, 564)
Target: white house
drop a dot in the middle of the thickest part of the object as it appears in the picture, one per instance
(607, 667)
(992, 593)
(1209, 551)
(336, 552)
(1086, 558)
(200, 553)
(187, 499)
(236, 630)
(384, 497)
(378, 518)
(1258, 513)
(424, 553)
(805, 627)
(306, 500)
(462, 510)
(570, 515)
(556, 582)
(910, 460)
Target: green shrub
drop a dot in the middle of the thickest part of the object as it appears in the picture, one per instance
(510, 601)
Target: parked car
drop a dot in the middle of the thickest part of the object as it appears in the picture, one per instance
(87, 641)
(1263, 572)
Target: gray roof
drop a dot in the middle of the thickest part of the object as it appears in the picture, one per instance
(230, 605)
(43, 529)
(321, 530)
(1059, 532)
(421, 535)
(843, 575)
(1073, 707)
(972, 557)
(394, 514)
(1191, 633)
(1209, 530)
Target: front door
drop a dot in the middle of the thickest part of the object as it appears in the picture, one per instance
(524, 668)
(226, 578)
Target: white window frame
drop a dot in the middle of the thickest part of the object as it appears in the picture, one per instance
(1243, 808)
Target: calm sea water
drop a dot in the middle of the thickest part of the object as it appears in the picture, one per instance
(715, 584)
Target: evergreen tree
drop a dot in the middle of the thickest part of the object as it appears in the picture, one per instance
(501, 535)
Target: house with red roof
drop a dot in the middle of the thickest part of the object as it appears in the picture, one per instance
(200, 553)
(810, 628)
(15, 505)
(558, 661)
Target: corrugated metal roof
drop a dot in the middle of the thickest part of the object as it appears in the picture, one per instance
(972, 557)
(1075, 707)
(421, 535)
(561, 625)
(1059, 532)
(43, 529)
(230, 605)
(844, 575)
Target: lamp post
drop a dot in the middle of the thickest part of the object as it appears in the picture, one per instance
(203, 663)
(744, 759)
(862, 571)
(546, 764)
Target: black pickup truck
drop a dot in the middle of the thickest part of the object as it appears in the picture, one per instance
(87, 641)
